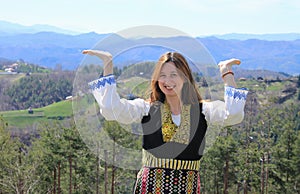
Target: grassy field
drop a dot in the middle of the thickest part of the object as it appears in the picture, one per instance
(12, 77)
(135, 85)
(55, 111)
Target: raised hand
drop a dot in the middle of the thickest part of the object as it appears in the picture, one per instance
(226, 71)
(226, 66)
(106, 57)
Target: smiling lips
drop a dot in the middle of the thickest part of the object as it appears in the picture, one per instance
(169, 87)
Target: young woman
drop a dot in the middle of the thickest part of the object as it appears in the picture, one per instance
(174, 120)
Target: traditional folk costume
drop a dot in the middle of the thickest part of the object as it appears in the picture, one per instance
(172, 144)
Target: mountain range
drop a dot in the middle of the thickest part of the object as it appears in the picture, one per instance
(48, 46)
(9, 28)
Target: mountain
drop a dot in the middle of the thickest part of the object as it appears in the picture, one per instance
(270, 37)
(48, 48)
(51, 48)
(280, 56)
(9, 28)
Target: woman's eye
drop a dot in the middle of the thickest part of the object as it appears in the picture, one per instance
(173, 75)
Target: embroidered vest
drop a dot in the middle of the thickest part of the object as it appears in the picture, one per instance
(155, 143)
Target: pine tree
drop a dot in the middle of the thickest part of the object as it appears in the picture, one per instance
(283, 153)
(17, 166)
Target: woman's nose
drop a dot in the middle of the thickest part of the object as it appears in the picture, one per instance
(168, 79)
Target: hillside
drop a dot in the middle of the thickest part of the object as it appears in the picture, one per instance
(274, 91)
(49, 49)
(21, 91)
(50, 143)
(9, 28)
(22, 118)
(66, 146)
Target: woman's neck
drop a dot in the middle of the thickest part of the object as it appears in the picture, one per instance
(175, 105)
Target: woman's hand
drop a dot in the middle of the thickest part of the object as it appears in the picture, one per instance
(106, 57)
(103, 55)
(226, 66)
(226, 71)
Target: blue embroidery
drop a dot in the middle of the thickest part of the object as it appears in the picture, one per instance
(236, 94)
(97, 84)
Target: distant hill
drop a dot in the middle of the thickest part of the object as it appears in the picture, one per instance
(269, 37)
(50, 49)
(9, 28)
(279, 56)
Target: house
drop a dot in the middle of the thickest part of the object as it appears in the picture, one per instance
(9, 70)
(69, 98)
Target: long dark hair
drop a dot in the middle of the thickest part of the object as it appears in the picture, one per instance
(189, 93)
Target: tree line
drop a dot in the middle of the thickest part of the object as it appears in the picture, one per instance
(36, 90)
(260, 155)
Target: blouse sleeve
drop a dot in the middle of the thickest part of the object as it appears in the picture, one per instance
(229, 112)
(112, 107)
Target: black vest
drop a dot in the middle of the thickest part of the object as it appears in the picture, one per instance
(153, 139)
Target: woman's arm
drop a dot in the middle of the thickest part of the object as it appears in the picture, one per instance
(104, 89)
(231, 111)
(106, 57)
(227, 73)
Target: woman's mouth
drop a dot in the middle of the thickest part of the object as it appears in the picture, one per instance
(169, 87)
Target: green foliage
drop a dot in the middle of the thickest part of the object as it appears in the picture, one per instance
(283, 152)
(17, 167)
(66, 162)
(23, 67)
(143, 69)
(31, 68)
(56, 111)
(121, 136)
(260, 155)
(39, 90)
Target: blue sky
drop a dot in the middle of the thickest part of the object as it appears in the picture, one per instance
(194, 17)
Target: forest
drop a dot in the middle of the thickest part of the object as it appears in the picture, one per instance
(260, 155)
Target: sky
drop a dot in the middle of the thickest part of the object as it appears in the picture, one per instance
(193, 17)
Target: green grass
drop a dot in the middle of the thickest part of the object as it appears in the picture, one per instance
(63, 108)
(136, 85)
(11, 77)
(277, 86)
(21, 118)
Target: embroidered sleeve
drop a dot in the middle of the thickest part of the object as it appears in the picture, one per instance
(229, 112)
(112, 107)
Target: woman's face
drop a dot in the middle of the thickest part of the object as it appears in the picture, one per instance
(170, 82)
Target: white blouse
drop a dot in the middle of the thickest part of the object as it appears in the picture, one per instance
(112, 107)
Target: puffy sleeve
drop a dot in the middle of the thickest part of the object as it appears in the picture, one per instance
(228, 112)
(112, 107)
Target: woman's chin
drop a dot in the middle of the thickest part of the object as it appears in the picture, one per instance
(171, 93)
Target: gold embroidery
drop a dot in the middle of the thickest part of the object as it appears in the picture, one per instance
(171, 132)
(150, 160)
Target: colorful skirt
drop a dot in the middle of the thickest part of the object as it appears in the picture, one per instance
(165, 180)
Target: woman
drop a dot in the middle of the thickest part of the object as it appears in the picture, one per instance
(174, 120)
